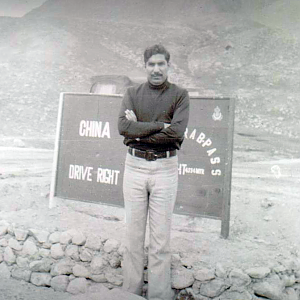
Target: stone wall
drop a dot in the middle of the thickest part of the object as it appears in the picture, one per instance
(72, 262)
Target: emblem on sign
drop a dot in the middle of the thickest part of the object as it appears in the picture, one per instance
(217, 115)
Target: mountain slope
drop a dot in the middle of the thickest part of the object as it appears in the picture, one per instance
(220, 47)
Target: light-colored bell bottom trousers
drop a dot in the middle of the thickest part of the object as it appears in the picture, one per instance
(149, 186)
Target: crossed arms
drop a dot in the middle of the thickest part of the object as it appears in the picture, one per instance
(156, 132)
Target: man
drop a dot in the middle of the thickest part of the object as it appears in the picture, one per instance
(153, 119)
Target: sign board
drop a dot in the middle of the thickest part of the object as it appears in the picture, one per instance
(90, 155)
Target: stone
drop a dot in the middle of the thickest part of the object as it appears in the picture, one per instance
(268, 290)
(93, 242)
(63, 267)
(29, 248)
(79, 238)
(113, 278)
(213, 288)
(46, 245)
(238, 278)
(54, 237)
(196, 286)
(86, 255)
(22, 262)
(20, 234)
(1, 257)
(4, 271)
(40, 235)
(44, 252)
(60, 283)
(266, 203)
(65, 238)
(71, 277)
(14, 244)
(9, 256)
(81, 271)
(229, 295)
(111, 245)
(21, 274)
(77, 286)
(3, 242)
(3, 229)
(220, 271)
(190, 292)
(98, 278)
(290, 294)
(97, 265)
(204, 274)
(41, 279)
(182, 278)
(121, 249)
(72, 251)
(188, 262)
(43, 265)
(294, 264)
(56, 251)
(260, 272)
(288, 280)
(115, 260)
(72, 232)
(279, 269)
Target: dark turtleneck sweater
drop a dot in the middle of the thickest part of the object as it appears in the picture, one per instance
(154, 106)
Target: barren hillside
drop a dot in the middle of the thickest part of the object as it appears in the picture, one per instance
(225, 48)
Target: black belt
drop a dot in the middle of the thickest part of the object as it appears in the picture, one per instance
(151, 155)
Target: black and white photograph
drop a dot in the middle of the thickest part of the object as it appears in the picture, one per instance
(149, 149)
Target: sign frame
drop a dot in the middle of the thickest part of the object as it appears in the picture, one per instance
(225, 218)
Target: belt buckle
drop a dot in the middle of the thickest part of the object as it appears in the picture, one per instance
(150, 155)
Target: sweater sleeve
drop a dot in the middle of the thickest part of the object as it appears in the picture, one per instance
(131, 129)
(175, 132)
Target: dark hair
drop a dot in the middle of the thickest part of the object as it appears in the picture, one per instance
(156, 49)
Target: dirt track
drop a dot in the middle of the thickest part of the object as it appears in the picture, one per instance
(263, 207)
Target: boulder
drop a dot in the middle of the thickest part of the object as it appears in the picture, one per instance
(268, 290)
(40, 235)
(41, 279)
(29, 248)
(79, 238)
(81, 271)
(56, 251)
(213, 288)
(111, 245)
(60, 283)
(54, 237)
(4, 271)
(72, 251)
(63, 267)
(204, 274)
(260, 272)
(14, 244)
(20, 234)
(77, 286)
(182, 278)
(21, 274)
(9, 256)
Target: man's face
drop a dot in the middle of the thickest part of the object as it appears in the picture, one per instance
(157, 69)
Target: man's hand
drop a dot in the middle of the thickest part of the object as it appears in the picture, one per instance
(166, 125)
(130, 115)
